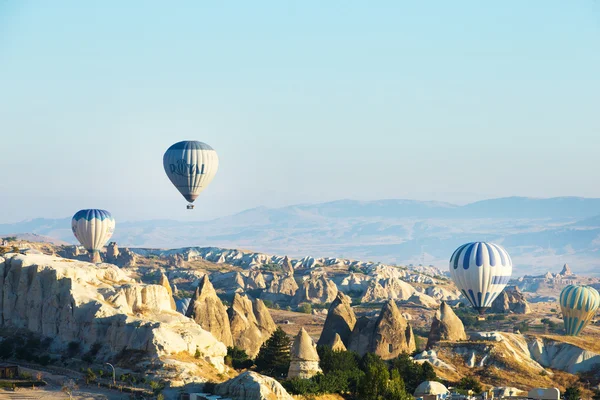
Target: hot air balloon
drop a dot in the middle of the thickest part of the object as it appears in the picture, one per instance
(480, 271)
(191, 166)
(578, 304)
(93, 228)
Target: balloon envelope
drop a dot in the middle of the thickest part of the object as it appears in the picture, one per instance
(191, 166)
(578, 305)
(480, 271)
(93, 228)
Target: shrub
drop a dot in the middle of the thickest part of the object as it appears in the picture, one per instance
(268, 303)
(305, 308)
(238, 358)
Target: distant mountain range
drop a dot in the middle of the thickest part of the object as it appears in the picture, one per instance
(540, 234)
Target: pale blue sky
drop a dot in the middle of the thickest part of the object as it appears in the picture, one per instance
(304, 101)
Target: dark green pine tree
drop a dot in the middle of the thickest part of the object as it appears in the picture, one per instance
(273, 359)
(572, 393)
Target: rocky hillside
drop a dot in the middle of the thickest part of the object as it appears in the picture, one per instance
(523, 360)
(73, 301)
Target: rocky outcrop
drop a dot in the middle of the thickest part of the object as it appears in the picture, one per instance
(441, 293)
(164, 282)
(252, 386)
(388, 289)
(563, 356)
(338, 344)
(566, 271)
(77, 301)
(340, 321)
(511, 300)
(281, 289)
(287, 267)
(304, 360)
(423, 300)
(387, 336)
(446, 326)
(393, 334)
(71, 252)
(122, 258)
(112, 252)
(255, 280)
(229, 282)
(265, 322)
(374, 293)
(316, 290)
(209, 312)
(176, 260)
(244, 327)
(362, 335)
(354, 282)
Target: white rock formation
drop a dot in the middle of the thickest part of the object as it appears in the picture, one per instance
(77, 301)
(252, 386)
(563, 356)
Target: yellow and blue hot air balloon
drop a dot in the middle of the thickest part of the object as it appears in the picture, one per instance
(480, 271)
(93, 228)
(578, 304)
(191, 166)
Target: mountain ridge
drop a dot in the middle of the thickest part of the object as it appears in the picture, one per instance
(540, 234)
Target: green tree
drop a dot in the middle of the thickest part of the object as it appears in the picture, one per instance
(573, 393)
(596, 395)
(470, 383)
(273, 359)
(373, 386)
(396, 389)
(239, 358)
(337, 360)
(413, 373)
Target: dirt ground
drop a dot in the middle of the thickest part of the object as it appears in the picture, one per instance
(54, 390)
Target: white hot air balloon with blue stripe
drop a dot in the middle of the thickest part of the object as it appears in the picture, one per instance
(93, 228)
(191, 166)
(480, 271)
(579, 305)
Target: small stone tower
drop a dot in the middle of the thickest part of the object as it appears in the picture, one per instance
(304, 358)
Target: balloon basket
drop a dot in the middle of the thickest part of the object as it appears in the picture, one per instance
(480, 318)
(190, 206)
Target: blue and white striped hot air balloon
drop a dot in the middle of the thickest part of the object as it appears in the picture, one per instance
(93, 228)
(191, 166)
(578, 305)
(480, 271)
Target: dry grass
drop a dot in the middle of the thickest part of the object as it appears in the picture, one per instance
(586, 342)
(321, 397)
(312, 323)
(208, 371)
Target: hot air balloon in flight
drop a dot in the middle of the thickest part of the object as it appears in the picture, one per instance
(480, 271)
(93, 228)
(191, 166)
(578, 304)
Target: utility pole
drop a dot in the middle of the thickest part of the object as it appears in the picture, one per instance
(113, 370)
